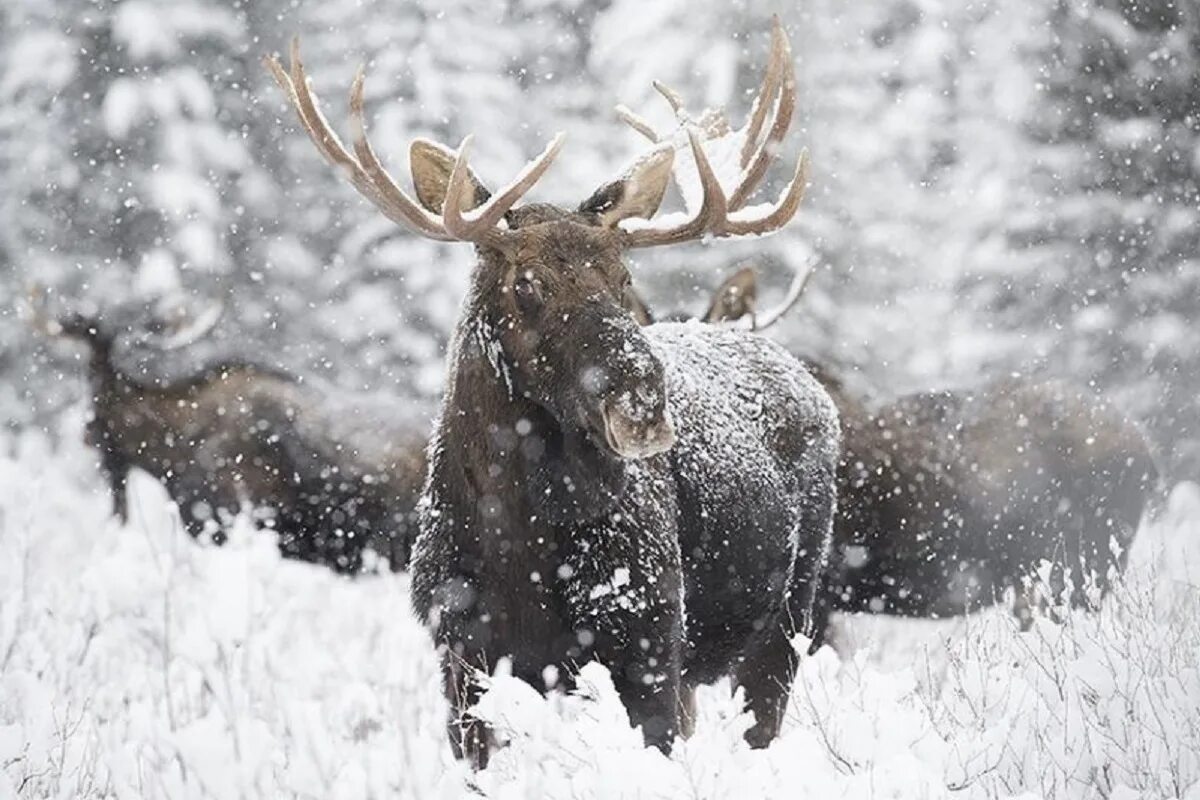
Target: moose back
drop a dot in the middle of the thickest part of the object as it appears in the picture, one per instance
(332, 475)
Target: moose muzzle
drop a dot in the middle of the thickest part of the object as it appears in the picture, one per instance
(634, 430)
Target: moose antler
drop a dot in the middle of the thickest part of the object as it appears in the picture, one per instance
(191, 328)
(36, 300)
(760, 322)
(721, 214)
(373, 182)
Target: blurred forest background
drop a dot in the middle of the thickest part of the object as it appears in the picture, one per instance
(997, 187)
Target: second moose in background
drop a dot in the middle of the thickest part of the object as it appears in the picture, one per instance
(947, 499)
(231, 434)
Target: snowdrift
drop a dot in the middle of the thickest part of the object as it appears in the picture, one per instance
(135, 663)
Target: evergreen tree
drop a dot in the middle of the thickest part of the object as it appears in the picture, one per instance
(1105, 280)
(965, 223)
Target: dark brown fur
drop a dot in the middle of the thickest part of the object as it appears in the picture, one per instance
(234, 435)
(557, 528)
(948, 498)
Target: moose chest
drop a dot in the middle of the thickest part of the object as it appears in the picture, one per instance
(486, 576)
(502, 581)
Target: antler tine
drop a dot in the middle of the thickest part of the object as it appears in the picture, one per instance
(638, 123)
(193, 331)
(712, 215)
(765, 98)
(795, 291)
(300, 97)
(673, 98)
(782, 67)
(392, 200)
(781, 212)
(481, 224)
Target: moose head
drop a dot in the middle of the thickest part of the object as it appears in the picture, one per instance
(734, 303)
(548, 296)
(165, 324)
(161, 326)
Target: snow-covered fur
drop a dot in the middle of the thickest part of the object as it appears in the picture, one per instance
(320, 469)
(673, 570)
(948, 498)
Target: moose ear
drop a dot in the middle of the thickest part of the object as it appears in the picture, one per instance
(637, 193)
(431, 165)
(735, 298)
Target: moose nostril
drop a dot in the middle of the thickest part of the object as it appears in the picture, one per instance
(648, 396)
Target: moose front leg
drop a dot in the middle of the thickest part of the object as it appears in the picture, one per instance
(113, 465)
(643, 657)
(626, 605)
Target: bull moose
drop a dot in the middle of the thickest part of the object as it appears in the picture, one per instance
(232, 433)
(946, 499)
(658, 499)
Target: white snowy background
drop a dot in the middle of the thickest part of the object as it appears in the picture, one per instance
(997, 187)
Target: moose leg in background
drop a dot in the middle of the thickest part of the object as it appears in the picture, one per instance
(118, 479)
(819, 519)
(1080, 560)
(1040, 586)
(113, 465)
(1071, 570)
(687, 710)
(1124, 480)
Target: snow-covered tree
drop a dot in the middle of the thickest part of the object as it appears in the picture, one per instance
(1105, 282)
(994, 186)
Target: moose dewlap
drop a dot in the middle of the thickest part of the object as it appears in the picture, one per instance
(660, 499)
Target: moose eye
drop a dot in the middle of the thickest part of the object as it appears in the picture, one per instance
(528, 296)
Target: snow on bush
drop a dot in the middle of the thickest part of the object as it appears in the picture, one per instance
(136, 663)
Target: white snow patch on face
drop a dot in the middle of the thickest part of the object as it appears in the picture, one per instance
(493, 351)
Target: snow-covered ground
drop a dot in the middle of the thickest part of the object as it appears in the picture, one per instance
(135, 663)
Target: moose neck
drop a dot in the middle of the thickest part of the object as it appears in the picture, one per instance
(519, 464)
